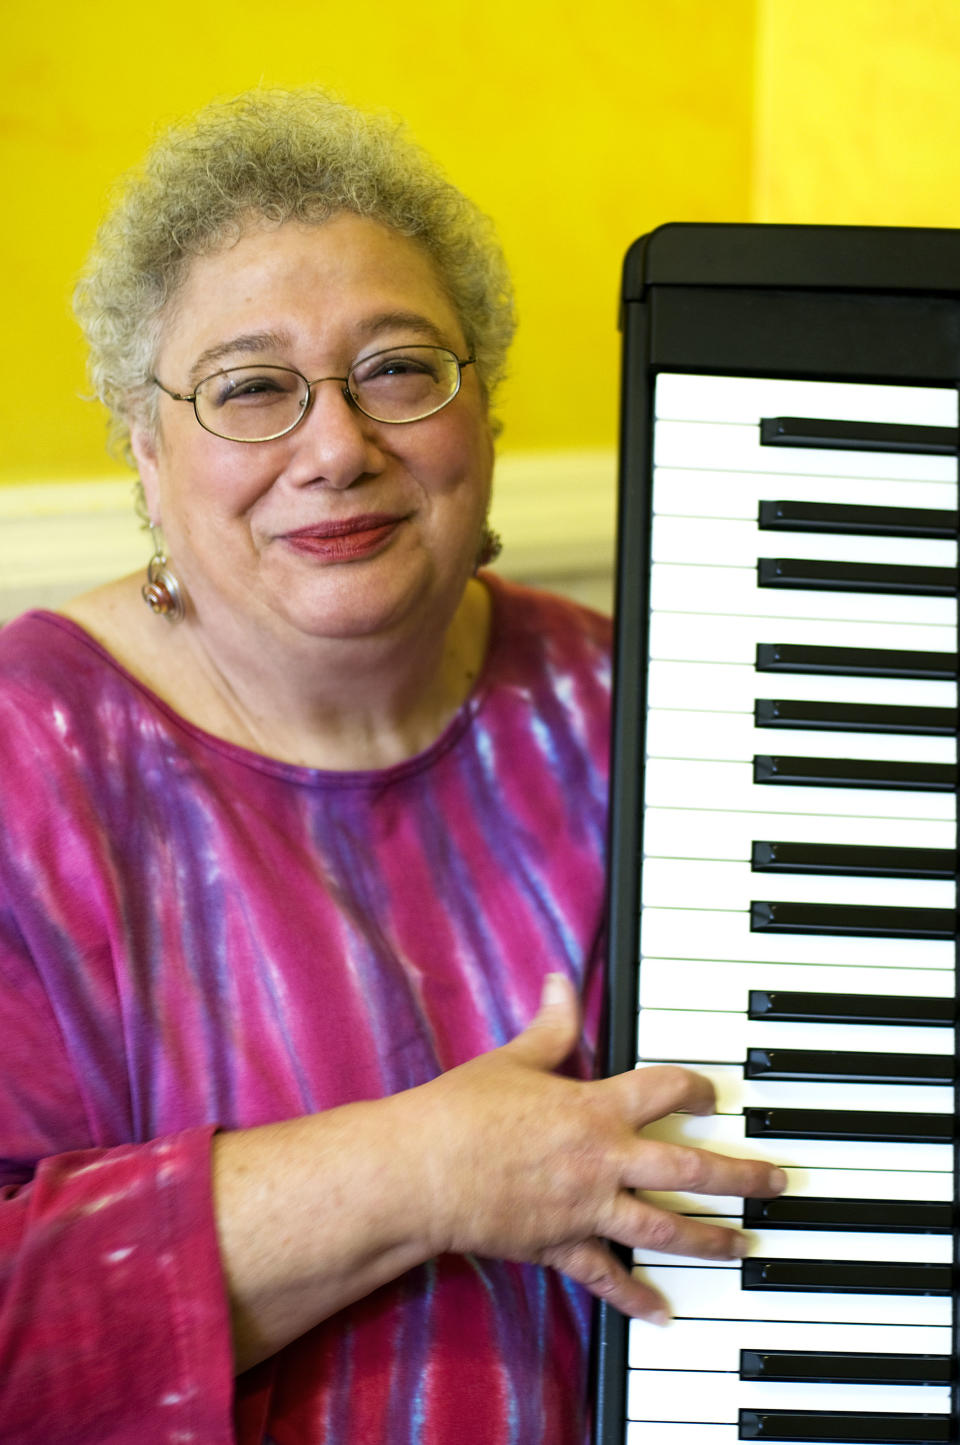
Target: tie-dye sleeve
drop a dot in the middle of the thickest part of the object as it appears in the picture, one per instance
(113, 1320)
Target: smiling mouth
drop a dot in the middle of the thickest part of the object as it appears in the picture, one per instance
(340, 541)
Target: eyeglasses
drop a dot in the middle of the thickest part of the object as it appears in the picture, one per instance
(261, 403)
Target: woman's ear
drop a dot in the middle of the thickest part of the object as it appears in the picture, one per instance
(143, 445)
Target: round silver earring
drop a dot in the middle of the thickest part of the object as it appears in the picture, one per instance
(161, 591)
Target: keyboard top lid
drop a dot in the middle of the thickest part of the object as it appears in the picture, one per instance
(822, 258)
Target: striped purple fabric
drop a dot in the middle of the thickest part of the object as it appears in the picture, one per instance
(193, 936)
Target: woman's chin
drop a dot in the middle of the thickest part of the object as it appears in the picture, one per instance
(356, 601)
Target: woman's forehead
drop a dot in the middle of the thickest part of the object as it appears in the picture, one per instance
(349, 280)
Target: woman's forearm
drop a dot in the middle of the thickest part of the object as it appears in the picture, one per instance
(313, 1214)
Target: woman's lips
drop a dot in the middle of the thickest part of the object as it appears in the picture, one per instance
(341, 541)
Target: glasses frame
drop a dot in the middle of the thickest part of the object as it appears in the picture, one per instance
(308, 399)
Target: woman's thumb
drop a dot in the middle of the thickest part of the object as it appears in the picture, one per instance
(553, 1031)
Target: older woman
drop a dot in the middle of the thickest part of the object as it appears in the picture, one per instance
(290, 857)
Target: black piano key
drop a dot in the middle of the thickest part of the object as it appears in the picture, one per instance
(858, 436)
(780, 1005)
(835, 1367)
(856, 1125)
(855, 717)
(853, 921)
(796, 657)
(851, 1427)
(889, 774)
(846, 1276)
(849, 519)
(891, 1216)
(853, 860)
(849, 1067)
(816, 575)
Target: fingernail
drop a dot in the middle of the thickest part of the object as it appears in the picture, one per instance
(739, 1246)
(554, 990)
(777, 1181)
(660, 1317)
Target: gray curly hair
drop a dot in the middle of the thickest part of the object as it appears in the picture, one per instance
(279, 155)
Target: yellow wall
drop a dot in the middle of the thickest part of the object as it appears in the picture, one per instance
(576, 126)
(858, 112)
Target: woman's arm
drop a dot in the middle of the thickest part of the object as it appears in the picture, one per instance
(113, 1314)
(499, 1157)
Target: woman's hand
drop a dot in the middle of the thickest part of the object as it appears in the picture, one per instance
(498, 1157)
(524, 1164)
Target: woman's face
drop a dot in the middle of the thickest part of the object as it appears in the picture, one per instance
(345, 526)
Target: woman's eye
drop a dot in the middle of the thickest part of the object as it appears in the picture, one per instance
(248, 390)
(401, 366)
(252, 386)
(384, 367)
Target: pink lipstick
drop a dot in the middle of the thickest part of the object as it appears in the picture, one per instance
(342, 541)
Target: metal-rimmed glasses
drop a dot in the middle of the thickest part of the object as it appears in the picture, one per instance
(261, 403)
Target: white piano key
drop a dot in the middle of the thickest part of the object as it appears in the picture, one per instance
(718, 935)
(659, 1395)
(732, 737)
(821, 1184)
(713, 540)
(818, 1244)
(660, 1432)
(725, 986)
(687, 783)
(850, 1244)
(684, 587)
(699, 1034)
(703, 833)
(734, 687)
(686, 397)
(735, 1093)
(676, 1395)
(698, 1293)
(693, 637)
(713, 1345)
(680, 492)
(728, 447)
(682, 882)
(726, 1134)
(640, 1433)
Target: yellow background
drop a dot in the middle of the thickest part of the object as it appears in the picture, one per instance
(576, 126)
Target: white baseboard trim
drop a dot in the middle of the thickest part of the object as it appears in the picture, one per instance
(554, 510)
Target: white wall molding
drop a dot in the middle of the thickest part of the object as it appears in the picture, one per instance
(554, 510)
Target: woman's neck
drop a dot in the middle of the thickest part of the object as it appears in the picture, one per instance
(338, 704)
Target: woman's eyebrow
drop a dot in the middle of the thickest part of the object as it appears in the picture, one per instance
(252, 341)
(279, 341)
(372, 326)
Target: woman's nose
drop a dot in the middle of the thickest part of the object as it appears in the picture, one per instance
(334, 441)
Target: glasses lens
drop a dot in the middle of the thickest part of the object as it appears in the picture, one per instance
(405, 383)
(251, 403)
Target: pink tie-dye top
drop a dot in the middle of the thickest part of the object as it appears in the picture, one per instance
(195, 937)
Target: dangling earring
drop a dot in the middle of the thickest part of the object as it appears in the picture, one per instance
(161, 591)
(491, 545)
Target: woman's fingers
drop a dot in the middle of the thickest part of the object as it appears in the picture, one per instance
(592, 1263)
(525, 1161)
(651, 1094)
(679, 1168)
(660, 1089)
(641, 1225)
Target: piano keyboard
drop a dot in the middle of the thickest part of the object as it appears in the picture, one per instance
(797, 905)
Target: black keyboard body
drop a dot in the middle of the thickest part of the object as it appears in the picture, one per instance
(783, 853)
